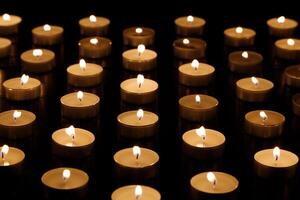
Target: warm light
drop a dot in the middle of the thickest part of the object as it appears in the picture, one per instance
(24, 79)
(93, 18)
(195, 64)
(37, 52)
(238, 29)
(141, 48)
(255, 81)
(71, 131)
(140, 114)
(291, 42)
(197, 98)
(185, 41)
(6, 17)
(140, 80)
(263, 115)
(136, 150)
(281, 20)
(47, 27)
(4, 151)
(66, 174)
(139, 30)
(94, 41)
(245, 54)
(138, 191)
(80, 95)
(82, 64)
(276, 153)
(190, 18)
(211, 178)
(201, 132)
(17, 114)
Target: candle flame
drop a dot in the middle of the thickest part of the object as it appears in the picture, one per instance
(140, 80)
(263, 115)
(291, 42)
(211, 178)
(281, 19)
(195, 64)
(201, 132)
(66, 175)
(138, 191)
(186, 41)
(17, 114)
(94, 41)
(138, 30)
(24, 79)
(93, 18)
(190, 18)
(82, 64)
(6, 17)
(70, 131)
(80, 95)
(198, 99)
(47, 27)
(254, 80)
(37, 52)
(238, 29)
(141, 48)
(4, 151)
(276, 153)
(245, 54)
(136, 150)
(140, 114)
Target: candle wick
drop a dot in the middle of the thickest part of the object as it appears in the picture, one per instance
(214, 184)
(2, 156)
(140, 118)
(137, 156)
(276, 158)
(140, 85)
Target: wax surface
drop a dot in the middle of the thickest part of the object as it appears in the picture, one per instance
(288, 23)
(82, 138)
(100, 22)
(287, 159)
(284, 45)
(246, 84)
(182, 21)
(130, 85)
(274, 118)
(91, 69)
(237, 58)
(129, 118)
(133, 55)
(194, 44)
(14, 156)
(15, 84)
(130, 32)
(13, 21)
(55, 31)
(207, 102)
(6, 118)
(203, 69)
(71, 100)
(247, 33)
(46, 57)
(4, 43)
(127, 193)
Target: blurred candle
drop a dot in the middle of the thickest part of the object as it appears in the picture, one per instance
(282, 26)
(189, 26)
(239, 36)
(135, 36)
(5, 47)
(47, 35)
(296, 104)
(292, 76)
(94, 26)
(135, 192)
(245, 62)
(95, 47)
(189, 48)
(38, 60)
(9, 24)
(288, 49)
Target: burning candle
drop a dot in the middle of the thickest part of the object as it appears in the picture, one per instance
(84, 74)
(288, 49)
(198, 107)
(16, 124)
(94, 26)
(139, 90)
(254, 89)
(137, 124)
(79, 105)
(245, 62)
(140, 59)
(292, 76)
(239, 36)
(23, 88)
(136, 162)
(189, 26)
(11, 160)
(189, 48)
(9, 24)
(296, 104)
(203, 144)
(196, 74)
(47, 35)
(135, 36)
(94, 47)
(5, 47)
(275, 163)
(214, 185)
(72, 142)
(282, 26)
(264, 123)
(135, 192)
(38, 60)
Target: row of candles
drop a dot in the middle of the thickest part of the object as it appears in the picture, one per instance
(199, 143)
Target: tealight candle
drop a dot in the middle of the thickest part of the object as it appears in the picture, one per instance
(136, 162)
(281, 26)
(16, 124)
(65, 182)
(239, 36)
(296, 104)
(135, 192)
(5, 47)
(84, 74)
(264, 123)
(11, 160)
(292, 76)
(139, 90)
(203, 144)
(47, 35)
(245, 62)
(72, 142)
(140, 59)
(94, 26)
(196, 74)
(38, 60)
(94, 47)
(135, 36)
(137, 124)
(214, 185)
(189, 26)
(198, 107)
(288, 49)
(275, 163)
(79, 105)
(254, 89)
(9, 24)
(23, 88)
(189, 48)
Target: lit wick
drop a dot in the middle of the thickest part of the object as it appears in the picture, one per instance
(140, 80)
(136, 150)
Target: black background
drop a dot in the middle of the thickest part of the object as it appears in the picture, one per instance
(175, 168)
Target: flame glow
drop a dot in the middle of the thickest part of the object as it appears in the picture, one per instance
(201, 132)
(281, 19)
(17, 114)
(140, 80)
(140, 114)
(80, 95)
(66, 174)
(239, 29)
(254, 80)
(211, 178)
(263, 115)
(185, 41)
(6, 17)
(4, 151)
(47, 27)
(136, 150)
(195, 64)
(37, 52)
(93, 18)
(94, 41)
(290, 42)
(138, 30)
(24, 79)
(190, 18)
(82, 64)
(70, 131)
(276, 153)
(198, 98)
(245, 54)
(141, 48)
(138, 191)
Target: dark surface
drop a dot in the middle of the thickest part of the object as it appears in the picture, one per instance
(175, 168)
